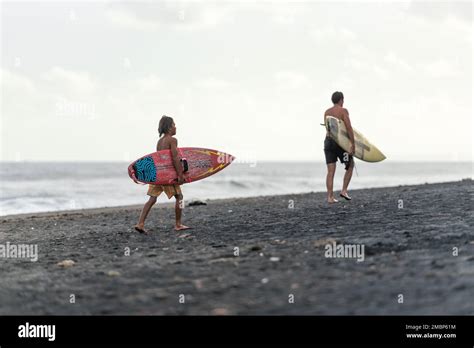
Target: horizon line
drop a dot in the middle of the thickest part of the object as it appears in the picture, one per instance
(237, 162)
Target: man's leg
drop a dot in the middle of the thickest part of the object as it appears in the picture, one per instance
(347, 179)
(330, 182)
(178, 208)
(140, 227)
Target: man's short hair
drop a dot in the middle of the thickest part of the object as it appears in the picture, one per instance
(336, 97)
(165, 125)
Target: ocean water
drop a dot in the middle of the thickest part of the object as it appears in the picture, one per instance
(27, 187)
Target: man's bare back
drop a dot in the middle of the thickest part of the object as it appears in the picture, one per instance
(341, 113)
(165, 143)
(337, 112)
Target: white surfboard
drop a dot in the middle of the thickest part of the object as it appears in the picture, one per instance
(364, 149)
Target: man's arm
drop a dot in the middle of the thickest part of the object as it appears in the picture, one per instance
(175, 159)
(350, 131)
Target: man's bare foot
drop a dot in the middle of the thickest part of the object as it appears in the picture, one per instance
(332, 200)
(181, 227)
(344, 195)
(140, 228)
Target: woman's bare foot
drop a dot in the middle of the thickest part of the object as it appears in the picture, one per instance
(332, 200)
(181, 227)
(140, 228)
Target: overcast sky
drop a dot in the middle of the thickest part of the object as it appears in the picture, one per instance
(90, 81)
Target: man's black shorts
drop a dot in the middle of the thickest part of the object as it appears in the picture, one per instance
(333, 151)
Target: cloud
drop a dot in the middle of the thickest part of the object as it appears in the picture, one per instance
(16, 83)
(74, 82)
(441, 10)
(54, 96)
(332, 33)
(396, 62)
(381, 72)
(283, 13)
(150, 83)
(362, 60)
(212, 83)
(291, 80)
(441, 69)
(128, 19)
(347, 34)
(152, 16)
(20, 96)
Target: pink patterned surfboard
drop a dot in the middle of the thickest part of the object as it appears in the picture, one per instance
(157, 167)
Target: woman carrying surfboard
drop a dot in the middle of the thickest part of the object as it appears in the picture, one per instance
(333, 151)
(166, 129)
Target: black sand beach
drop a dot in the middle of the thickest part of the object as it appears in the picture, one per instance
(408, 251)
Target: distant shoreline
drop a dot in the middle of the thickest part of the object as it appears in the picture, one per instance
(171, 203)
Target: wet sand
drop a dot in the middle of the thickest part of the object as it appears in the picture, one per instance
(408, 251)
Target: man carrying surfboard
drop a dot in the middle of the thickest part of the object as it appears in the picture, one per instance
(166, 129)
(333, 151)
